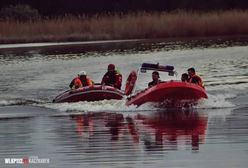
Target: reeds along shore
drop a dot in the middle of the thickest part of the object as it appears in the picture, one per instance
(127, 26)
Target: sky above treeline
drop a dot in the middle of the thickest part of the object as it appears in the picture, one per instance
(60, 7)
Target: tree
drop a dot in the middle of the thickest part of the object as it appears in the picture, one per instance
(19, 12)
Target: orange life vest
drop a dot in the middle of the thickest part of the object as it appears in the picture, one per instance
(78, 83)
(200, 83)
(88, 82)
(114, 80)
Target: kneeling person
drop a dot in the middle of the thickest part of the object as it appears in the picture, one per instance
(193, 78)
(112, 77)
(82, 80)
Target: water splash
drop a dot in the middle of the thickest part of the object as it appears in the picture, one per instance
(216, 101)
(97, 106)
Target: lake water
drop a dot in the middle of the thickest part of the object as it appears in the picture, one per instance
(110, 134)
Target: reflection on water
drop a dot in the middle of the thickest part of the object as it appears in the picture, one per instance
(110, 138)
(135, 139)
(161, 130)
(172, 127)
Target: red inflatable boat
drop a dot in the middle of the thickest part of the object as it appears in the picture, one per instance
(94, 93)
(171, 92)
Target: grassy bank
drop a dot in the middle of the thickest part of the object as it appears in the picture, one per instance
(130, 26)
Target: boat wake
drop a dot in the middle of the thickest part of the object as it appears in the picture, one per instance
(219, 101)
(20, 101)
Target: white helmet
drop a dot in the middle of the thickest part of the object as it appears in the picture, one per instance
(82, 73)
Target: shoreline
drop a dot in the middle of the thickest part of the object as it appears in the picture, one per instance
(121, 45)
(49, 44)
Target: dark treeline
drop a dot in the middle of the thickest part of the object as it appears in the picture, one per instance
(61, 7)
